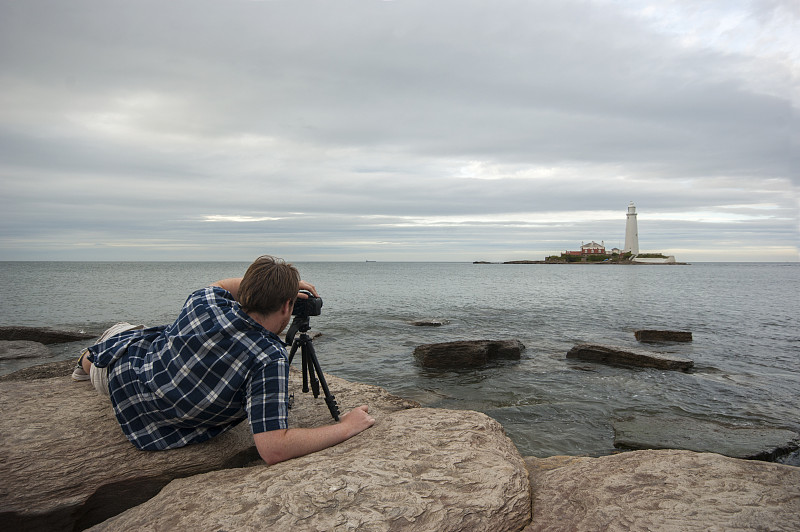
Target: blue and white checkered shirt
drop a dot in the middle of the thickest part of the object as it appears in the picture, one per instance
(187, 382)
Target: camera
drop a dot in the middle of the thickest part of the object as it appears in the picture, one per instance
(307, 307)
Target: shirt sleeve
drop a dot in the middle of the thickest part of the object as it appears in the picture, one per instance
(267, 396)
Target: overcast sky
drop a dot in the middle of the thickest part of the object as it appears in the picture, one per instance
(413, 130)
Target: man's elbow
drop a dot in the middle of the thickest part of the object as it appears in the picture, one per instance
(272, 457)
(270, 448)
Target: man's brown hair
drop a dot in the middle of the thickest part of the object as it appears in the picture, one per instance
(267, 284)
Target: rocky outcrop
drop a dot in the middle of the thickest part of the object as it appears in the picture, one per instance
(422, 470)
(43, 335)
(17, 349)
(663, 491)
(629, 357)
(65, 464)
(467, 353)
(650, 335)
(680, 432)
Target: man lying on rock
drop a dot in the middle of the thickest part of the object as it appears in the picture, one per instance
(221, 361)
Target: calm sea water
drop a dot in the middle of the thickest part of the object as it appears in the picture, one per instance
(744, 319)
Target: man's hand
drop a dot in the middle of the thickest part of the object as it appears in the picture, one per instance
(358, 419)
(307, 286)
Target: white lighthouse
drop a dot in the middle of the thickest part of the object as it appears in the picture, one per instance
(631, 231)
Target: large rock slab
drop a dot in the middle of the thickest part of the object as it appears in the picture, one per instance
(43, 335)
(467, 353)
(629, 357)
(677, 432)
(17, 349)
(663, 491)
(651, 335)
(418, 470)
(65, 463)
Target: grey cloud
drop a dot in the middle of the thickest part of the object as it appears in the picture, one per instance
(372, 108)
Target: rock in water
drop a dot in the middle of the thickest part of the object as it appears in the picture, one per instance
(467, 353)
(415, 470)
(629, 357)
(663, 490)
(675, 432)
(43, 335)
(429, 322)
(647, 335)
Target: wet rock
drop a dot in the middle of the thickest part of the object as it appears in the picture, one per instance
(43, 335)
(647, 335)
(17, 349)
(467, 353)
(663, 490)
(629, 357)
(429, 322)
(425, 469)
(65, 463)
(676, 432)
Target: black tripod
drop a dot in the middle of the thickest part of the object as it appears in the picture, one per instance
(310, 364)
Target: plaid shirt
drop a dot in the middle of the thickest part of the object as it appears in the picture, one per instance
(187, 382)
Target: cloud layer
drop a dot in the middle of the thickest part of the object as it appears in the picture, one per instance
(405, 130)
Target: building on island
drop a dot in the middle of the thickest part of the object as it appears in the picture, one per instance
(592, 248)
(630, 254)
(631, 231)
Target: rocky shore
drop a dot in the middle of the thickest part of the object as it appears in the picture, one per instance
(66, 465)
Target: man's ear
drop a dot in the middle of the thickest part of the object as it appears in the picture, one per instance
(287, 307)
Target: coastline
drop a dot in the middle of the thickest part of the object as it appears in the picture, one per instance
(461, 456)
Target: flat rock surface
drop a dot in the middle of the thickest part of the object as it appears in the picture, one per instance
(676, 432)
(607, 354)
(43, 335)
(663, 491)
(421, 469)
(65, 463)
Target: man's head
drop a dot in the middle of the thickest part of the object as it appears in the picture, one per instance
(267, 284)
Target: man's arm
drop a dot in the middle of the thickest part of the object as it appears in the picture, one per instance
(279, 445)
(231, 285)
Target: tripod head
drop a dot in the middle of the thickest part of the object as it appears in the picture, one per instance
(298, 324)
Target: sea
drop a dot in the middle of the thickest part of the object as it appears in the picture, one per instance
(743, 318)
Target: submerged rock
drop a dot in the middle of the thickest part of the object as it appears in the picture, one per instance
(65, 463)
(43, 335)
(648, 335)
(58, 368)
(629, 357)
(429, 322)
(656, 432)
(663, 490)
(17, 349)
(426, 469)
(467, 353)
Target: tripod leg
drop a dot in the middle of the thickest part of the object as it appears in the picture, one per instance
(309, 356)
(330, 400)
